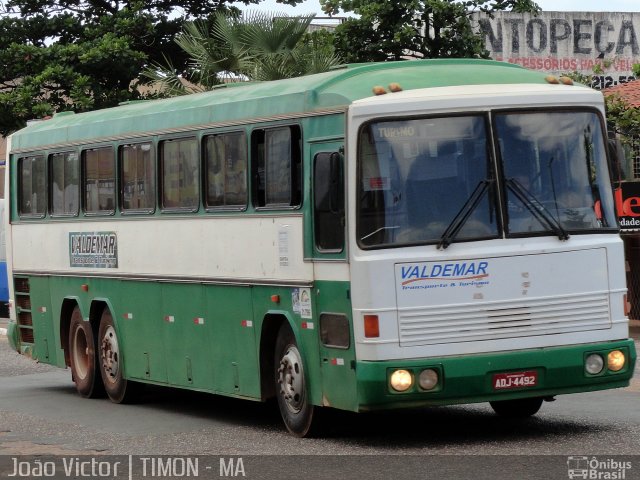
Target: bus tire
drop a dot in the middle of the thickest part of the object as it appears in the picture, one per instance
(291, 386)
(520, 408)
(118, 388)
(83, 358)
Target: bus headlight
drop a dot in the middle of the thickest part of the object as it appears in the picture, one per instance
(428, 379)
(401, 380)
(594, 364)
(615, 361)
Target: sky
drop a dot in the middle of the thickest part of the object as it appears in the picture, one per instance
(313, 6)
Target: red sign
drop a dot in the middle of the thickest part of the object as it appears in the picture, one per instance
(627, 200)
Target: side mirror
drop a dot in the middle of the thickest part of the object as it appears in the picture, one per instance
(616, 160)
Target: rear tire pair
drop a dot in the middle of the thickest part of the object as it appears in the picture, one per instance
(96, 362)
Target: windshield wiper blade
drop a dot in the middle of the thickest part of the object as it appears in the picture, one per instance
(537, 209)
(463, 215)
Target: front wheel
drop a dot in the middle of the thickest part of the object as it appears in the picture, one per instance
(291, 387)
(521, 408)
(82, 356)
(119, 389)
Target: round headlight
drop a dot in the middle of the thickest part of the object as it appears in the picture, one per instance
(594, 364)
(428, 379)
(615, 361)
(401, 380)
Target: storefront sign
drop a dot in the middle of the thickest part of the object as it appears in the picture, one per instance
(627, 198)
(564, 42)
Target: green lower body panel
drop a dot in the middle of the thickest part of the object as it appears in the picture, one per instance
(483, 378)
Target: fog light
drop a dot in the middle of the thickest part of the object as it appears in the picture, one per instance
(615, 361)
(428, 379)
(401, 380)
(594, 364)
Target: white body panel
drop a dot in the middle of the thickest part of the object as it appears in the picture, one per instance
(519, 293)
(252, 249)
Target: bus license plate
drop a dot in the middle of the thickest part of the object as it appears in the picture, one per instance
(505, 381)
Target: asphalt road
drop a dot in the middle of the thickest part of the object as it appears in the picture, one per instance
(40, 414)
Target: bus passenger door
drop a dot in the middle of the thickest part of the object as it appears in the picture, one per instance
(331, 278)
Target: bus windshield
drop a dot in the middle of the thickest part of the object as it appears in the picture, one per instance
(555, 171)
(433, 180)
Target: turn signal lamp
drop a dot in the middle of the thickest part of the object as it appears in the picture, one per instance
(401, 380)
(615, 361)
(371, 326)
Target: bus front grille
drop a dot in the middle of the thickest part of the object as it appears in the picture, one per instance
(500, 320)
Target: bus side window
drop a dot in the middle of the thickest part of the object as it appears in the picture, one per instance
(32, 188)
(180, 174)
(64, 185)
(328, 193)
(226, 170)
(277, 167)
(137, 178)
(99, 181)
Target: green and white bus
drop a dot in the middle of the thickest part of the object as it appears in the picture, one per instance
(379, 236)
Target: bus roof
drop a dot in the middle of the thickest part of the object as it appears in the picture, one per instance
(235, 102)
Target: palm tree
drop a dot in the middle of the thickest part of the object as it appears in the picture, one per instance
(255, 46)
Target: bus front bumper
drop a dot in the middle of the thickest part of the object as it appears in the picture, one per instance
(540, 372)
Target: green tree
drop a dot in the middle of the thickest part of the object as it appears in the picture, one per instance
(413, 28)
(253, 46)
(86, 54)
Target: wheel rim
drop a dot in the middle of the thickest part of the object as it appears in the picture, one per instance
(291, 380)
(80, 353)
(110, 354)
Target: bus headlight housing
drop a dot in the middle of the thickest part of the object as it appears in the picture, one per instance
(428, 379)
(616, 360)
(401, 380)
(594, 364)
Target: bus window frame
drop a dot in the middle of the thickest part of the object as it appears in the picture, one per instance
(121, 183)
(160, 162)
(204, 168)
(50, 180)
(43, 157)
(258, 136)
(83, 181)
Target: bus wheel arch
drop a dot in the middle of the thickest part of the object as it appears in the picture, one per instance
(269, 334)
(68, 305)
(82, 355)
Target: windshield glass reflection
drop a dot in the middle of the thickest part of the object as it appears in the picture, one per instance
(555, 172)
(416, 176)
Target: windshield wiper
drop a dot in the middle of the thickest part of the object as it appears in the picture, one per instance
(537, 209)
(463, 215)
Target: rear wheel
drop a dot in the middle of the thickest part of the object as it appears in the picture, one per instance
(520, 408)
(291, 387)
(119, 389)
(82, 356)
